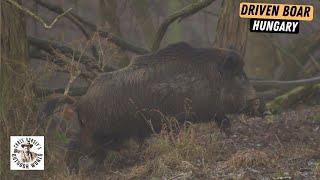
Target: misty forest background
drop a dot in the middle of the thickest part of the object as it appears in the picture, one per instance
(103, 35)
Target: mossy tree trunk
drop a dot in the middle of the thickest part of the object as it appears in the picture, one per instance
(300, 94)
(232, 31)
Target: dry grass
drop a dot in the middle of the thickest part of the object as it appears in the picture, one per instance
(249, 158)
(18, 114)
(287, 146)
(168, 153)
(200, 151)
(316, 169)
(17, 109)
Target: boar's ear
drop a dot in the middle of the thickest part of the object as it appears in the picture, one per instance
(233, 62)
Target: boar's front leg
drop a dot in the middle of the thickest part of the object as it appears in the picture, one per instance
(73, 155)
(224, 123)
(85, 145)
(98, 158)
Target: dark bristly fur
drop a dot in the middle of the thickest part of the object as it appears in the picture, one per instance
(178, 81)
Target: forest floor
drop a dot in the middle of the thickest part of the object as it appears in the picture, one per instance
(283, 146)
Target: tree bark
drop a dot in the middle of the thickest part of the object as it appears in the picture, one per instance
(80, 22)
(13, 59)
(144, 18)
(14, 47)
(232, 31)
(115, 57)
(185, 12)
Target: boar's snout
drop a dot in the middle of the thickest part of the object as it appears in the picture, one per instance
(250, 103)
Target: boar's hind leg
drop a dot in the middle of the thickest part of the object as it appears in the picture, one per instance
(224, 123)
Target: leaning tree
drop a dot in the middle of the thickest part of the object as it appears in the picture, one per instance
(231, 33)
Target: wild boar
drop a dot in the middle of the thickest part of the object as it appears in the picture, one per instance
(191, 84)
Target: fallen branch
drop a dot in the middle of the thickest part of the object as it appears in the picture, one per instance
(72, 17)
(50, 47)
(122, 43)
(38, 18)
(125, 45)
(62, 13)
(286, 84)
(183, 13)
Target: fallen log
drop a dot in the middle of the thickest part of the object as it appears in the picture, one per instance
(284, 84)
(293, 97)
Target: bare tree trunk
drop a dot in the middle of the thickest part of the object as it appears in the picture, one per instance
(232, 31)
(115, 57)
(35, 23)
(13, 59)
(13, 36)
(76, 6)
(108, 15)
(144, 18)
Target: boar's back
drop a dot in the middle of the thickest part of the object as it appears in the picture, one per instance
(185, 53)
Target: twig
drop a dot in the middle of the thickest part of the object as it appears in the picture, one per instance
(181, 14)
(73, 18)
(38, 18)
(316, 64)
(117, 40)
(73, 77)
(74, 70)
(285, 52)
(51, 47)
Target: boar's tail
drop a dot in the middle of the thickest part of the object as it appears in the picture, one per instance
(50, 105)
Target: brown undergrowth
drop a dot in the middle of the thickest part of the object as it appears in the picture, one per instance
(281, 146)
